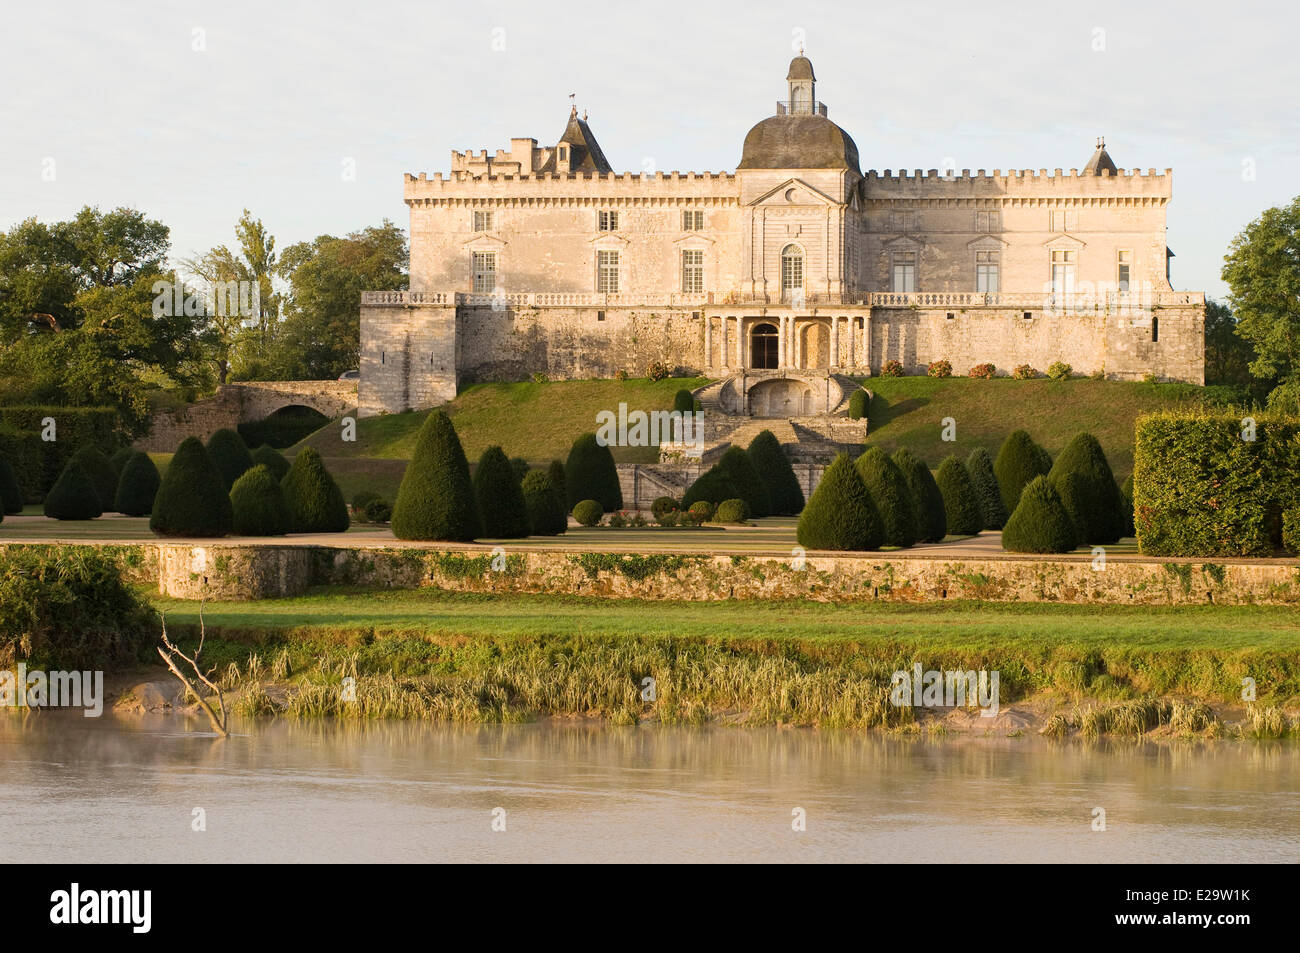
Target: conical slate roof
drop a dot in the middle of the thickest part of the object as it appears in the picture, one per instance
(1100, 160)
(584, 150)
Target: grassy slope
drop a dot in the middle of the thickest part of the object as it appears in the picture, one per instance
(908, 411)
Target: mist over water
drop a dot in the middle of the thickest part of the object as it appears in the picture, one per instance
(74, 789)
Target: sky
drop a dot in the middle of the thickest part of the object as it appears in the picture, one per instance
(308, 113)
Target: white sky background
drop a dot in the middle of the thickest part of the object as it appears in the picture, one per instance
(264, 117)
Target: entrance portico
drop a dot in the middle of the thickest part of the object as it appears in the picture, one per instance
(786, 340)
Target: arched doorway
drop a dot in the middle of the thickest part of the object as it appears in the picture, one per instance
(764, 347)
(815, 345)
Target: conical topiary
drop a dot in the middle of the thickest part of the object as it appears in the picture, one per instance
(841, 514)
(520, 468)
(1077, 499)
(119, 459)
(11, 495)
(1019, 461)
(546, 516)
(137, 486)
(258, 502)
(889, 491)
(961, 503)
(73, 496)
(993, 512)
(590, 474)
(230, 454)
(315, 502)
(192, 499)
(500, 502)
(436, 499)
(1040, 524)
(556, 472)
(1100, 512)
(773, 465)
(931, 517)
(712, 486)
(735, 463)
(271, 458)
(102, 475)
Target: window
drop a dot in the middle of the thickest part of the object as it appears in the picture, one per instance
(986, 272)
(482, 221)
(607, 221)
(905, 272)
(1123, 270)
(988, 221)
(692, 220)
(1065, 220)
(607, 272)
(692, 271)
(1063, 268)
(903, 221)
(1155, 330)
(765, 347)
(791, 269)
(483, 264)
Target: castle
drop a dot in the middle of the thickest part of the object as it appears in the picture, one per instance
(783, 280)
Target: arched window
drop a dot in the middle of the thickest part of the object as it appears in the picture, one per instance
(1155, 330)
(791, 269)
(764, 347)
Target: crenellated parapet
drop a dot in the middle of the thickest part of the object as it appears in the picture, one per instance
(1149, 187)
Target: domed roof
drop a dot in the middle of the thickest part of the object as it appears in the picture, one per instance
(799, 142)
(800, 68)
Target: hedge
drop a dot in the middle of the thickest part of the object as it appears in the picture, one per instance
(259, 506)
(961, 503)
(500, 501)
(993, 512)
(11, 497)
(137, 486)
(315, 502)
(1040, 524)
(889, 491)
(858, 402)
(841, 514)
(192, 499)
(546, 516)
(25, 452)
(73, 496)
(1200, 489)
(773, 465)
(436, 499)
(230, 454)
(590, 474)
(75, 427)
(931, 516)
(1291, 531)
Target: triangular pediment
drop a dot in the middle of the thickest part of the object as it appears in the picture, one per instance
(484, 240)
(794, 192)
(608, 238)
(1066, 242)
(902, 242)
(986, 243)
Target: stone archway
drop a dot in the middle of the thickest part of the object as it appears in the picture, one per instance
(764, 347)
(814, 345)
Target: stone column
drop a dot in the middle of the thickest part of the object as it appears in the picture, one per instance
(866, 341)
(740, 341)
(780, 342)
(708, 340)
(848, 339)
(798, 343)
(835, 341)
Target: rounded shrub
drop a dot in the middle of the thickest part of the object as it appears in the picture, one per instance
(73, 496)
(315, 502)
(500, 501)
(258, 504)
(556, 472)
(1040, 523)
(731, 511)
(985, 372)
(662, 505)
(545, 514)
(713, 486)
(361, 499)
(684, 401)
(669, 518)
(230, 455)
(1019, 461)
(773, 465)
(192, 498)
(271, 458)
(841, 514)
(931, 516)
(588, 512)
(993, 512)
(11, 495)
(889, 491)
(737, 465)
(436, 499)
(590, 474)
(1059, 371)
(1024, 372)
(858, 401)
(1291, 530)
(102, 475)
(892, 369)
(701, 511)
(961, 503)
(378, 511)
(1100, 515)
(137, 486)
(940, 368)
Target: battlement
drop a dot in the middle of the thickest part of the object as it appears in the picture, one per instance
(423, 187)
(932, 183)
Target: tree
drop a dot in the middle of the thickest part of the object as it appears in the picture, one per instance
(745, 477)
(102, 475)
(841, 515)
(590, 474)
(272, 459)
(1262, 270)
(11, 495)
(931, 517)
(192, 499)
(1040, 523)
(1096, 503)
(888, 488)
(712, 486)
(773, 465)
(546, 516)
(436, 499)
(137, 486)
(315, 502)
(500, 500)
(259, 505)
(960, 501)
(1019, 461)
(1228, 355)
(229, 452)
(993, 512)
(73, 495)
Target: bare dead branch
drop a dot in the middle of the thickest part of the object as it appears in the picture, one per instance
(170, 653)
